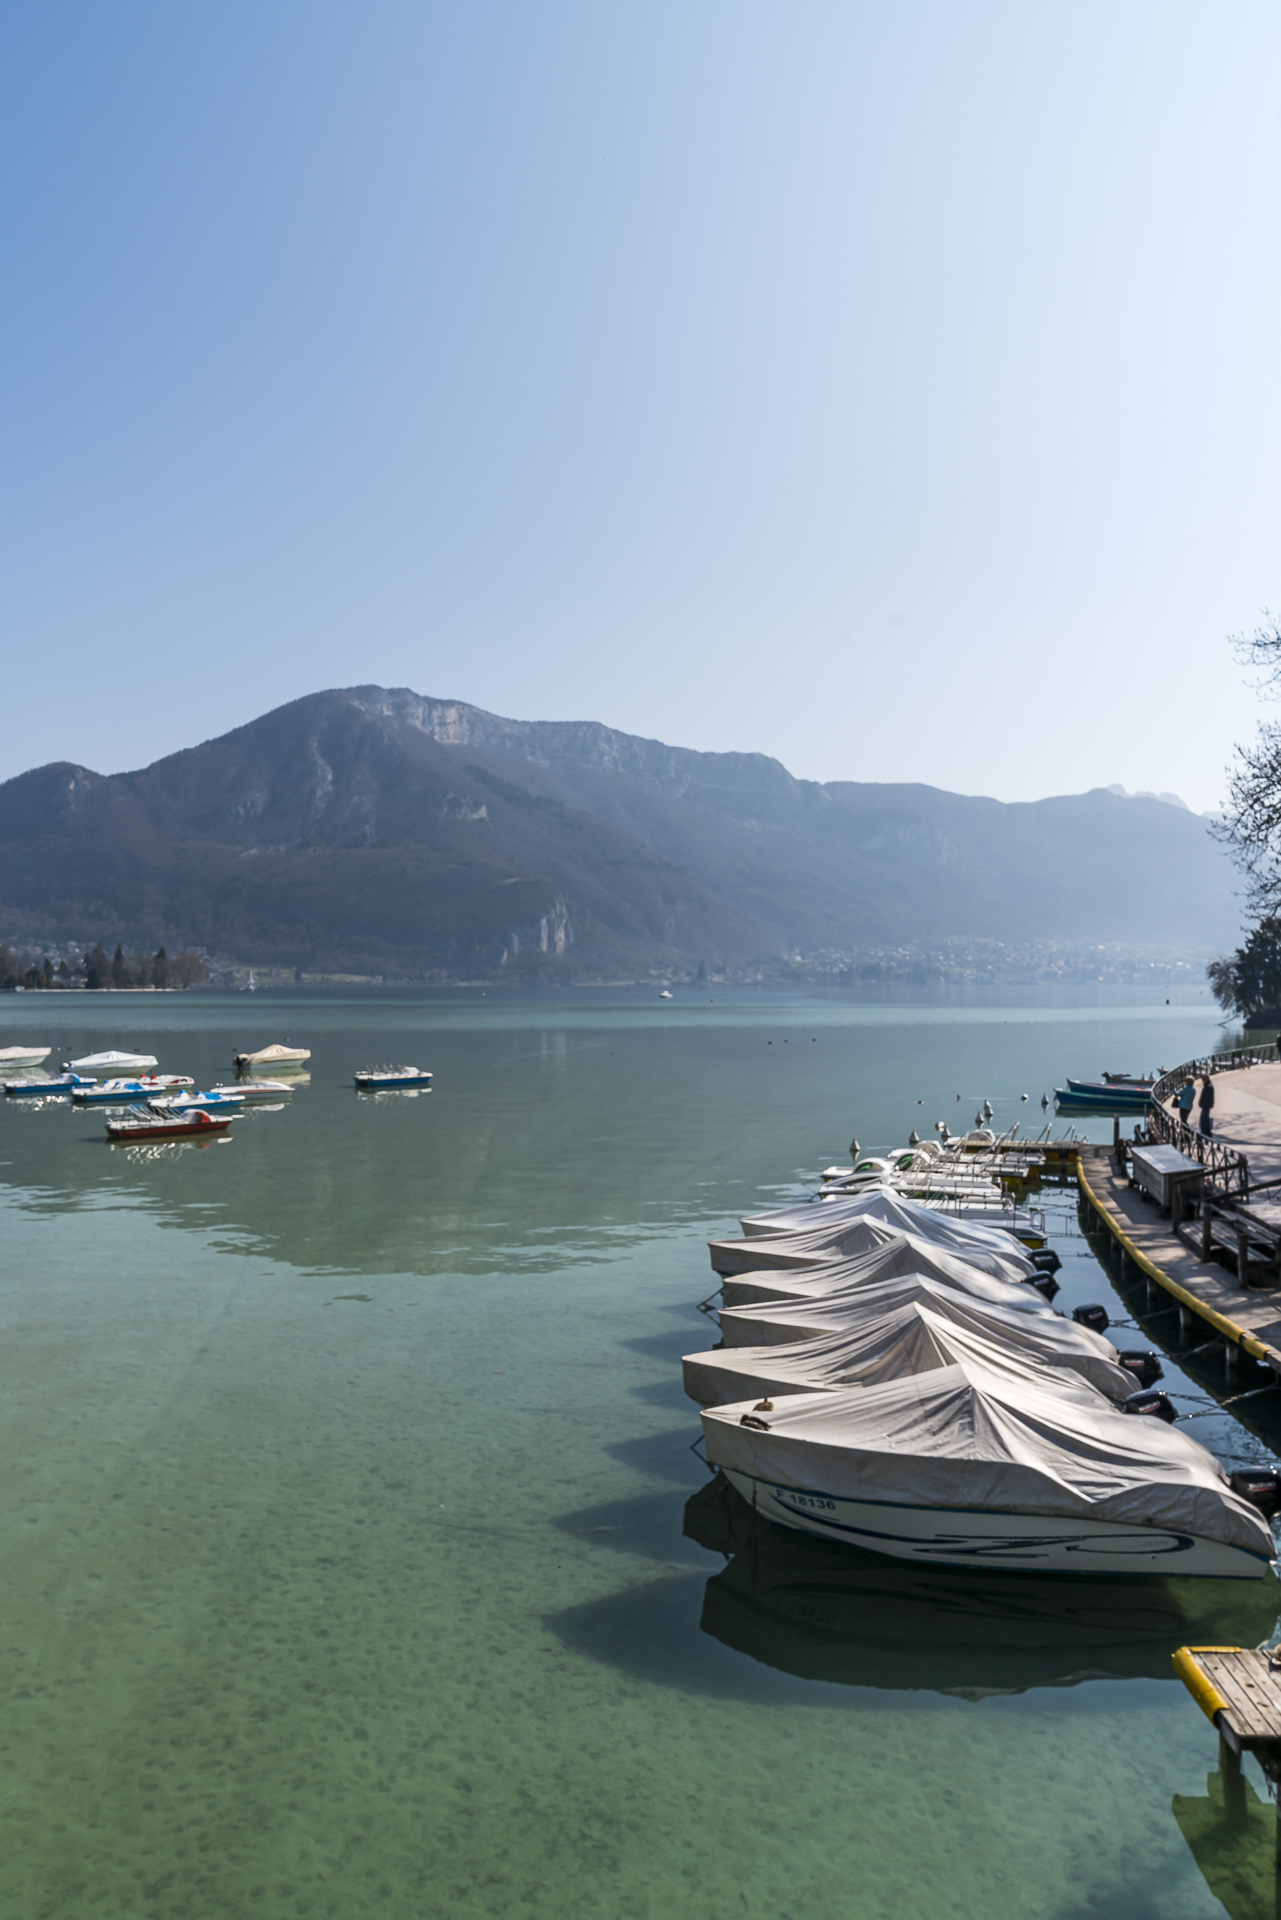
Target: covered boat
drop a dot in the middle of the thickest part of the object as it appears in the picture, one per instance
(997, 1254)
(993, 1229)
(12, 1059)
(771, 1323)
(895, 1253)
(275, 1058)
(914, 1326)
(113, 1065)
(960, 1467)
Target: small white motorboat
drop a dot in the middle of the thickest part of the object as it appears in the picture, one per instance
(64, 1083)
(371, 1079)
(19, 1057)
(665, 994)
(275, 1057)
(960, 1468)
(113, 1065)
(249, 1089)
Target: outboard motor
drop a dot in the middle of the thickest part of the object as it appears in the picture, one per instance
(1142, 1363)
(1045, 1283)
(1158, 1405)
(1045, 1260)
(1095, 1318)
(1261, 1486)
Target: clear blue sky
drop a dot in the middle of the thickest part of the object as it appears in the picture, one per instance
(892, 388)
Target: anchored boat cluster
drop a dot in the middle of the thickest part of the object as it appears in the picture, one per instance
(893, 1375)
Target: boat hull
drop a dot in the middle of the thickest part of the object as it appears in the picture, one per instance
(1115, 1100)
(381, 1082)
(21, 1057)
(1018, 1542)
(127, 1132)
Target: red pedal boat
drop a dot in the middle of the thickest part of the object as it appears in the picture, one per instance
(145, 1123)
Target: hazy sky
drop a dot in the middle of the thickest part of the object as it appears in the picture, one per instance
(892, 388)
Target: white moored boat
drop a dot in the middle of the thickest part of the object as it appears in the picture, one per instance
(113, 1065)
(906, 1325)
(17, 1057)
(276, 1058)
(960, 1468)
(248, 1089)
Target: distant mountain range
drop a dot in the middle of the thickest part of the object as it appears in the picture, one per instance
(377, 831)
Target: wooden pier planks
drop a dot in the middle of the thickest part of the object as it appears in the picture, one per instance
(1237, 1685)
(1249, 1317)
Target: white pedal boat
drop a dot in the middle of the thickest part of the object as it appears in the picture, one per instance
(958, 1468)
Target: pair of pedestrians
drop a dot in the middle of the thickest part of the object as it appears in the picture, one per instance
(1187, 1096)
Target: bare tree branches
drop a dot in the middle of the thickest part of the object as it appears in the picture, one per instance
(1251, 824)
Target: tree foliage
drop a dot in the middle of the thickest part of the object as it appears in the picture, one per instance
(1251, 823)
(1249, 984)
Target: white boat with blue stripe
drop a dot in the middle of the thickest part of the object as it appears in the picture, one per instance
(957, 1467)
(378, 1079)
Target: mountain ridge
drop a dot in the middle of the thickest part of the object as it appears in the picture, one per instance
(379, 830)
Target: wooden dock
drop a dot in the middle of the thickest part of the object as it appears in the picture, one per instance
(1248, 1318)
(1239, 1691)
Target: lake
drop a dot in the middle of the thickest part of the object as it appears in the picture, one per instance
(344, 1474)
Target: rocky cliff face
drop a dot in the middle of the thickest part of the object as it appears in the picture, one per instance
(377, 830)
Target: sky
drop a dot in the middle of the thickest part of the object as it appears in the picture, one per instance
(892, 388)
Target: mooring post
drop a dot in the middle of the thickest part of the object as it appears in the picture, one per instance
(1231, 1356)
(1185, 1320)
(1234, 1787)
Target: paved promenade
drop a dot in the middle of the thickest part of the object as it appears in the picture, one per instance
(1247, 1114)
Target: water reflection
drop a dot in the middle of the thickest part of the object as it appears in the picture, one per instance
(825, 1612)
(1231, 1831)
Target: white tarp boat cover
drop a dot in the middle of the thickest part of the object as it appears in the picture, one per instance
(895, 1253)
(275, 1056)
(912, 1330)
(988, 1248)
(883, 1203)
(115, 1063)
(777, 1323)
(961, 1438)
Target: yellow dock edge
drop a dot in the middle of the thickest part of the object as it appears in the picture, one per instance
(1206, 1695)
(1220, 1322)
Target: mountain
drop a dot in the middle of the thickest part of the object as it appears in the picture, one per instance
(376, 831)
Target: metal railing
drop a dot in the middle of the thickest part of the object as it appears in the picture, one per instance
(1228, 1167)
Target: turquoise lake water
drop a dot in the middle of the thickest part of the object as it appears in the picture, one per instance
(345, 1563)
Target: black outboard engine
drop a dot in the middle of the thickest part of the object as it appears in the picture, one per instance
(1158, 1405)
(1045, 1283)
(1045, 1260)
(1261, 1486)
(1142, 1363)
(1095, 1318)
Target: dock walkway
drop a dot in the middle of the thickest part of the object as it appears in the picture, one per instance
(1247, 1317)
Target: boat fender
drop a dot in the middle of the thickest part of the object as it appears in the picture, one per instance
(750, 1420)
(1046, 1259)
(1261, 1486)
(1159, 1405)
(1095, 1318)
(1045, 1283)
(1142, 1363)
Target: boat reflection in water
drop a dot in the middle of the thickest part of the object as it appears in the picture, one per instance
(828, 1612)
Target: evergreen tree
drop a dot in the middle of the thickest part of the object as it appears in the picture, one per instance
(160, 969)
(120, 968)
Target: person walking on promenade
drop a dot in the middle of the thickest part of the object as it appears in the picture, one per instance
(1205, 1104)
(1183, 1099)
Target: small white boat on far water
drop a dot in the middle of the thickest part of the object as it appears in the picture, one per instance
(275, 1059)
(17, 1057)
(113, 1065)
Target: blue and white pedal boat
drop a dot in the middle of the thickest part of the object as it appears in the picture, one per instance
(64, 1083)
(214, 1101)
(377, 1079)
(959, 1468)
